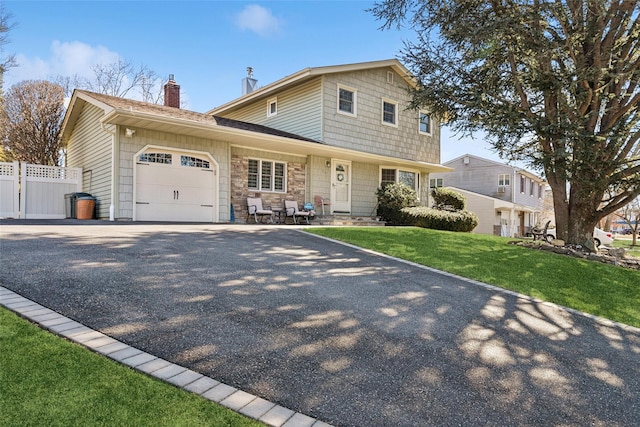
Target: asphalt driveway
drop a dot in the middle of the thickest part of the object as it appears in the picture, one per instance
(331, 331)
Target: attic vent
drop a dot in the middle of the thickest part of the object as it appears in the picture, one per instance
(389, 76)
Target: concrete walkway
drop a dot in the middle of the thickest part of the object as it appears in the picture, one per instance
(237, 400)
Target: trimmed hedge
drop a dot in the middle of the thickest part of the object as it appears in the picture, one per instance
(447, 200)
(437, 219)
(392, 198)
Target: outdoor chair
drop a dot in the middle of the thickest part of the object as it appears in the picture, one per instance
(255, 210)
(291, 210)
(320, 201)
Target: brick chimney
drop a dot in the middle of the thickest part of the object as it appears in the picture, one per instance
(172, 93)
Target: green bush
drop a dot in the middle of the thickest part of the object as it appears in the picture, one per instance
(392, 198)
(437, 219)
(448, 200)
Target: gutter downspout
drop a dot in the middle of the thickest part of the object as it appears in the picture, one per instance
(115, 164)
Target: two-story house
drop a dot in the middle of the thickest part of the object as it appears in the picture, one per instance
(338, 132)
(508, 200)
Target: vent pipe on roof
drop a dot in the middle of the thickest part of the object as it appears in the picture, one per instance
(172, 93)
(249, 83)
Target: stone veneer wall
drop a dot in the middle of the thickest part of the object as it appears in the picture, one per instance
(296, 179)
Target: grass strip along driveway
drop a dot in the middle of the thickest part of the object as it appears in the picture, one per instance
(589, 286)
(48, 381)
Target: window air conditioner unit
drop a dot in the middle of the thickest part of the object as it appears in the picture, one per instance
(502, 190)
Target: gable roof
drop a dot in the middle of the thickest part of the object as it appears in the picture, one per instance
(114, 106)
(137, 114)
(452, 164)
(312, 72)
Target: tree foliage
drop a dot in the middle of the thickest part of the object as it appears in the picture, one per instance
(553, 83)
(630, 214)
(392, 198)
(30, 120)
(6, 60)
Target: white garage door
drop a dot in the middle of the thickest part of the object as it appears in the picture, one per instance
(174, 186)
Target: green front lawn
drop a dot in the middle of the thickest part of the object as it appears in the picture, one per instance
(48, 381)
(593, 287)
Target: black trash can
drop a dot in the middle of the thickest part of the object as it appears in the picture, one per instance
(70, 202)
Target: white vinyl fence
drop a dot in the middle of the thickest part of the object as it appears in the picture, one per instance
(9, 190)
(36, 191)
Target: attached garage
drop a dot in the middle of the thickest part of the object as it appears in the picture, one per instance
(175, 186)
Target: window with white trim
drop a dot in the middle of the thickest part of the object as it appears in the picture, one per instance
(272, 107)
(347, 100)
(164, 158)
(408, 177)
(435, 183)
(532, 187)
(389, 112)
(504, 179)
(194, 162)
(522, 184)
(424, 123)
(267, 175)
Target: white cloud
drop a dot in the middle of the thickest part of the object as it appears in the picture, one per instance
(66, 59)
(259, 20)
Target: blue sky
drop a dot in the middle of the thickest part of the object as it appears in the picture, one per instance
(207, 45)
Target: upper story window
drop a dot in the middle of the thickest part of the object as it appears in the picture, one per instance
(347, 100)
(424, 125)
(540, 191)
(272, 107)
(389, 112)
(267, 175)
(522, 184)
(504, 179)
(532, 186)
(435, 183)
(389, 76)
(164, 158)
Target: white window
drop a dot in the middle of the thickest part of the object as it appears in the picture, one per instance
(408, 177)
(266, 175)
(531, 188)
(194, 162)
(424, 124)
(347, 100)
(272, 107)
(522, 184)
(164, 158)
(540, 191)
(435, 183)
(389, 112)
(504, 179)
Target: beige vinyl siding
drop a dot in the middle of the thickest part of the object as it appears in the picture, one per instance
(366, 132)
(143, 137)
(319, 180)
(90, 149)
(299, 110)
(364, 183)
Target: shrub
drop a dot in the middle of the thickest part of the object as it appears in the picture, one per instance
(437, 219)
(447, 200)
(392, 198)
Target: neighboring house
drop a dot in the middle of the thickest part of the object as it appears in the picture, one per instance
(508, 200)
(337, 132)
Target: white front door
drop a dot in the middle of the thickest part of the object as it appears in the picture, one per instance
(174, 186)
(341, 186)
